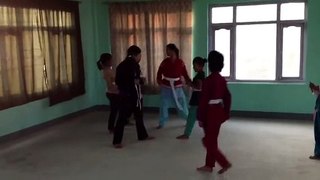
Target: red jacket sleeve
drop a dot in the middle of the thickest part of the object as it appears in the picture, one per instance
(159, 74)
(203, 103)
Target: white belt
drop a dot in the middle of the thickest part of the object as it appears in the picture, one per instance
(139, 95)
(171, 81)
(196, 90)
(215, 101)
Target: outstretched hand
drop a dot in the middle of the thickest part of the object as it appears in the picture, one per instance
(313, 87)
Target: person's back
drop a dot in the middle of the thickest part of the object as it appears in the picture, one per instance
(128, 81)
(216, 80)
(104, 64)
(109, 76)
(126, 74)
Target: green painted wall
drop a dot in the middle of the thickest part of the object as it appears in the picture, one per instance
(267, 97)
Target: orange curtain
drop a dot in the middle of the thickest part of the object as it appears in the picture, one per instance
(151, 26)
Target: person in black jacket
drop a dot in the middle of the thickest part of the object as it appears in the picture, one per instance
(129, 83)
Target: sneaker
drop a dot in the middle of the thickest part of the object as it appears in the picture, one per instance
(205, 169)
(315, 157)
(183, 137)
(221, 171)
(118, 146)
(148, 138)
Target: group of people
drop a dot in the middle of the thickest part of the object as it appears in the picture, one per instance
(209, 103)
(210, 100)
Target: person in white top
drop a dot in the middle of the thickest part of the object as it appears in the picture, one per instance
(105, 65)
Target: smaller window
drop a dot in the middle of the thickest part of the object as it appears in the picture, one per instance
(293, 11)
(222, 15)
(254, 13)
(263, 42)
(222, 44)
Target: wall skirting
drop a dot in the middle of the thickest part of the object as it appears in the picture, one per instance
(57, 121)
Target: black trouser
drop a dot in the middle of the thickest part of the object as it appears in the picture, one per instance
(127, 107)
(114, 108)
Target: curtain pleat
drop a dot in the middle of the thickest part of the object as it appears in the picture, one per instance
(151, 26)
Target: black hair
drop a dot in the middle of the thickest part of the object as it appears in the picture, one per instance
(173, 47)
(215, 60)
(199, 60)
(105, 58)
(133, 51)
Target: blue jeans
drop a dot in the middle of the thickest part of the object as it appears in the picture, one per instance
(317, 134)
(167, 99)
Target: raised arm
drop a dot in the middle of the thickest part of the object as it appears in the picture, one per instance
(125, 77)
(107, 76)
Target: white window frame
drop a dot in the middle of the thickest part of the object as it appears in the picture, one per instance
(281, 24)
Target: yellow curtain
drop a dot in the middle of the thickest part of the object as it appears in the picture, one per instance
(39, 55)
(21, 67)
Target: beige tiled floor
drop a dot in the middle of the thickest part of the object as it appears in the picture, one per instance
(81, 150)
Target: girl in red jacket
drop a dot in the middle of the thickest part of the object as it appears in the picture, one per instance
(169, 77)
(213, 110)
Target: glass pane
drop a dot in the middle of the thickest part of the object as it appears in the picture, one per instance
(257, 13)
(256, 52)
(222, 15)
(222, 44)
(291, 52)
(292, 11)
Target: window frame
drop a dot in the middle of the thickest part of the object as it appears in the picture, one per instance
(281, 24)
(74, 31)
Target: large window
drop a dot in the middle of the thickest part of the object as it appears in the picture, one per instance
(40, 52)
(260, 42)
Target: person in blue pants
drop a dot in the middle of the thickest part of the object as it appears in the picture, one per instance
(169, 77)
(316, 117)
